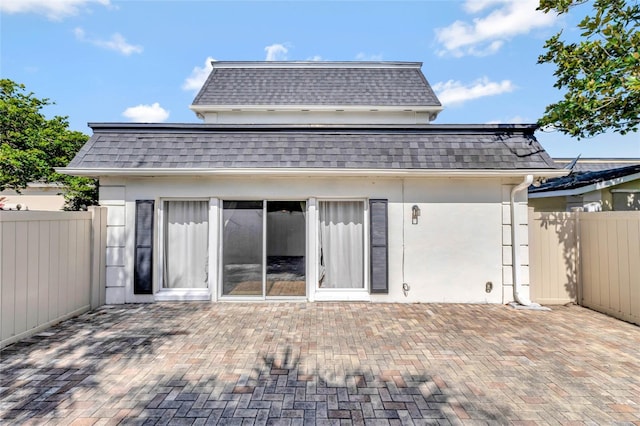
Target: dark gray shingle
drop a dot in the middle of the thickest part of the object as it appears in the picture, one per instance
(214, 147)
(296, 85)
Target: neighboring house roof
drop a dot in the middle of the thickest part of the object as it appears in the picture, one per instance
(203, 148)
(582, 182)
(316, 84)
(596, 164)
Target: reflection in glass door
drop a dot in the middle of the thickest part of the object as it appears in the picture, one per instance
(242, 248)
(285, 248)
(263, 249)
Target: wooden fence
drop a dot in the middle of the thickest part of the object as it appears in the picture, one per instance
(590, 258)
(51, 268)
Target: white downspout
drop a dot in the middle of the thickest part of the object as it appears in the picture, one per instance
(515, 242)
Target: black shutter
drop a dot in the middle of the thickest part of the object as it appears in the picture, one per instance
(378, 250)
(143, 269)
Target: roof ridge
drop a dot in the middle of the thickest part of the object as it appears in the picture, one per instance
(315, 64)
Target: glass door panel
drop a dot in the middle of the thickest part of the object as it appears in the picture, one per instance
(286, 248)
(242, 253)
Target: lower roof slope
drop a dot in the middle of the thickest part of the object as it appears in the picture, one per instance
(175, 147)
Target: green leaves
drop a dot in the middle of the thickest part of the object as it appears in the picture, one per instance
(600, 74)
(31, 146)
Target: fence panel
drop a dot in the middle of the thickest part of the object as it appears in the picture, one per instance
(610, 263)
(553, 257)
(47, 268)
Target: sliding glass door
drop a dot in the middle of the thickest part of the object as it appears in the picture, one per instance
(263, 249)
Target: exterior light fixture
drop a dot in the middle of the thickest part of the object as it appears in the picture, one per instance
(415, 213)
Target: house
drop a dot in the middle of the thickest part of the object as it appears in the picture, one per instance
(594, 184)
(315, 181)
(36, 196)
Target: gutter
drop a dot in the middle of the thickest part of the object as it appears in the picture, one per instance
(309, 172)
(515, 244)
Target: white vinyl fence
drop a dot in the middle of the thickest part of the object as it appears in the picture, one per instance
(590, 258)
(610, 263)
(51, 268)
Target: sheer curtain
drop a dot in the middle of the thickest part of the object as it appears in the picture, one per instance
(341, 240)
(186, 244)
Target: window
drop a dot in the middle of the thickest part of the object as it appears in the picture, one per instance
(186, 244)
(341, 245)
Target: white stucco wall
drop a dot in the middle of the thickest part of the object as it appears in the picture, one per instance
(316, 117)
(461, 241)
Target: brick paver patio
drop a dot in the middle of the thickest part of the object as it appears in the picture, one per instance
(334, 363)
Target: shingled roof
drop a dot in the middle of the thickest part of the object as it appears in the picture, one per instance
(214, 147)
(316, 84)
(585, 179)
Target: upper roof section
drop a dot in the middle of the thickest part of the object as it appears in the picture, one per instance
(316, 93)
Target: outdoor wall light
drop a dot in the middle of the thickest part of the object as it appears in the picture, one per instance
(488, 287)
(415, 213)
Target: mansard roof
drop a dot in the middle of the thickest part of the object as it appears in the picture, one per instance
(205, 148)
(347, 84)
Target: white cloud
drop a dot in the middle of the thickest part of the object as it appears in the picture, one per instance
(365, 57)
(485, 35)
(146, 113)
(315, 58)
(52, 9)
(276, 52)
(198, 76)
(79, 33)
(475, 6)
(456, 93)
(116, 43)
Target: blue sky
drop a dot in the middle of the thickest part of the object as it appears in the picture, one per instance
(119, 61)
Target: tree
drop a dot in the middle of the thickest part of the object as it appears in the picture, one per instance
(600, 73)
(31, 146)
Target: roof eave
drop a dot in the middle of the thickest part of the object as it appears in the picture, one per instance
(311, 172)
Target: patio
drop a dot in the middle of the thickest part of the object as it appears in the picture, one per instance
(325, 363)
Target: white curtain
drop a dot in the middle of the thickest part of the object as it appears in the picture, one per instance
(186, 244)
(341, 240)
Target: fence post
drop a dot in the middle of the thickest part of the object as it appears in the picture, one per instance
(576, 232)
(98, 255)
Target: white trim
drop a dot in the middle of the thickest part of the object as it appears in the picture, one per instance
(253, 172)
(182, 294)
(214, 246)
(209, 108)
(588, 188)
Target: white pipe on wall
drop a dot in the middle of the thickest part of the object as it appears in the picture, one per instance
(515, 242)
